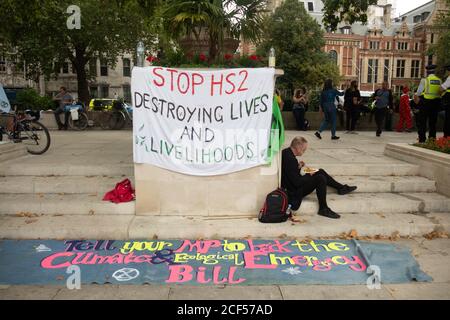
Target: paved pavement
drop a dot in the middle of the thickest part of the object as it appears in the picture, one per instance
(432, 255)
(114, 148)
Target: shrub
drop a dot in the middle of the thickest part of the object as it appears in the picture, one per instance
(30, 99)
(442, 144)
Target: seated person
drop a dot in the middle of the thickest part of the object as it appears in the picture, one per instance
(299, 186)
(64, 98)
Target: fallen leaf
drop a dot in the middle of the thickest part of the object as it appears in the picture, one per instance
(155, 237)
(30, 221)
(353, 233)
(91, 212)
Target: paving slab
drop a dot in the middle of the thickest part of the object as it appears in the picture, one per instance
(329, 292)
(225, 293)
(420, 291)
(114, 292)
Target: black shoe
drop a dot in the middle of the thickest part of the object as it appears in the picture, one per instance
(328, 213)
(335, 138)
(378, 133)
(346, 189)
(317, 134)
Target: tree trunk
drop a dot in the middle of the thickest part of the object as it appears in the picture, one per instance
(213, 47)
(80, 66)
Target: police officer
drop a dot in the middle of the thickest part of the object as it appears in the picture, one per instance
(445, 89)
(429, 93)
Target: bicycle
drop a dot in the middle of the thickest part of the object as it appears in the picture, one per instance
(25, 128)
(78, 118)
(117, 118)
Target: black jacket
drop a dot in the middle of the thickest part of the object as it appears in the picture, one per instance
(291, 178)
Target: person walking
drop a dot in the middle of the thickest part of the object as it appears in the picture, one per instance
(405, 120)
(299, 107)
(383, 102)
(352, 100)
(445, 89)
(429, 93)
(328, 108)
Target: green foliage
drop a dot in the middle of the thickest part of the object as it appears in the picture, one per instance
(298, 41)
(441, 49)
(30, 99)
(216, 18)
(442, 144)
(349, 11)
(38, 29)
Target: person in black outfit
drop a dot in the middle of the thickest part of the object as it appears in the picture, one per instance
(299, 186)
(352, 100)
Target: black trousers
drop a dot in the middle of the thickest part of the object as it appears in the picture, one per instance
(446, 105)
(428, 113)
(299, 115)
(57, 112)
(380, 116)
(352, 116)
(319, 182)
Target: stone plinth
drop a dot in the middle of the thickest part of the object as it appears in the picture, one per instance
(163, 192)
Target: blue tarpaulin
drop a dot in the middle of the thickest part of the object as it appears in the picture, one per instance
(206, 262)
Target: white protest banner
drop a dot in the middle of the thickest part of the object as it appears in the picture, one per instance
(202, 123)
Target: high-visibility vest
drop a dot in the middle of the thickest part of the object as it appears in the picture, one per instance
(432, 87)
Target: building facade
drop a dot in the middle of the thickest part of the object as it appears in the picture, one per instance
(385, 49)
(107, 83)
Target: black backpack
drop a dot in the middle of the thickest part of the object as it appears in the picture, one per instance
(275, 207)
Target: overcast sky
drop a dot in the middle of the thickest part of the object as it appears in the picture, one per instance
(404, 6)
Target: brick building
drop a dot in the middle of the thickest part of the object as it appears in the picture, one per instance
(385, 49)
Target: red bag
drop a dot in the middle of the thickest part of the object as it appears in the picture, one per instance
(123, 192)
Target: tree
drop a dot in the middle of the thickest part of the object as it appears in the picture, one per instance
(350, 11)
(217, 18)
(39, 32)
(441, 49)
(298, 41)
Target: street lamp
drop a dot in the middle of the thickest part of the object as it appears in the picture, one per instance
(272, 58)
(140, 54)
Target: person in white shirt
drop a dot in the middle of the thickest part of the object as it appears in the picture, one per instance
(445, 90)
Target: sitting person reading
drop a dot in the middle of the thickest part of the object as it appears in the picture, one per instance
(299, 186)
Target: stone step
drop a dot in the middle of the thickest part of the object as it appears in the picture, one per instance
(77, 204)
(117, 227)
(13, 168)
(92, 204)
(379, 203)
(100, 184)
(60, 184)
(10, 151)
(368, 169)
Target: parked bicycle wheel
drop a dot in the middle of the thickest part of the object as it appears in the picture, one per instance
(104, 120)
(116, 120)
(35, 137)
(81, 123)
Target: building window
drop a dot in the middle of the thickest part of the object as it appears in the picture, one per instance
(374, 45)
(402, 45)
(310, 6)
(333, 56)
(415, 67)
(430, 59)
(93, 67)
(372, 72)
(346, 30)
(416, 46)
(103, 68)
(126, 93)
(93, 91)
(401, 68)
(432, 38)
(2, 64)
(126, 68)
(65, 68)
(388, 45)
(417, 18)
(347, 61)
(104, 90)
(386, 70)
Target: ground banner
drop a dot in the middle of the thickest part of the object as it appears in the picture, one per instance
(203, 122)
(206, 262)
